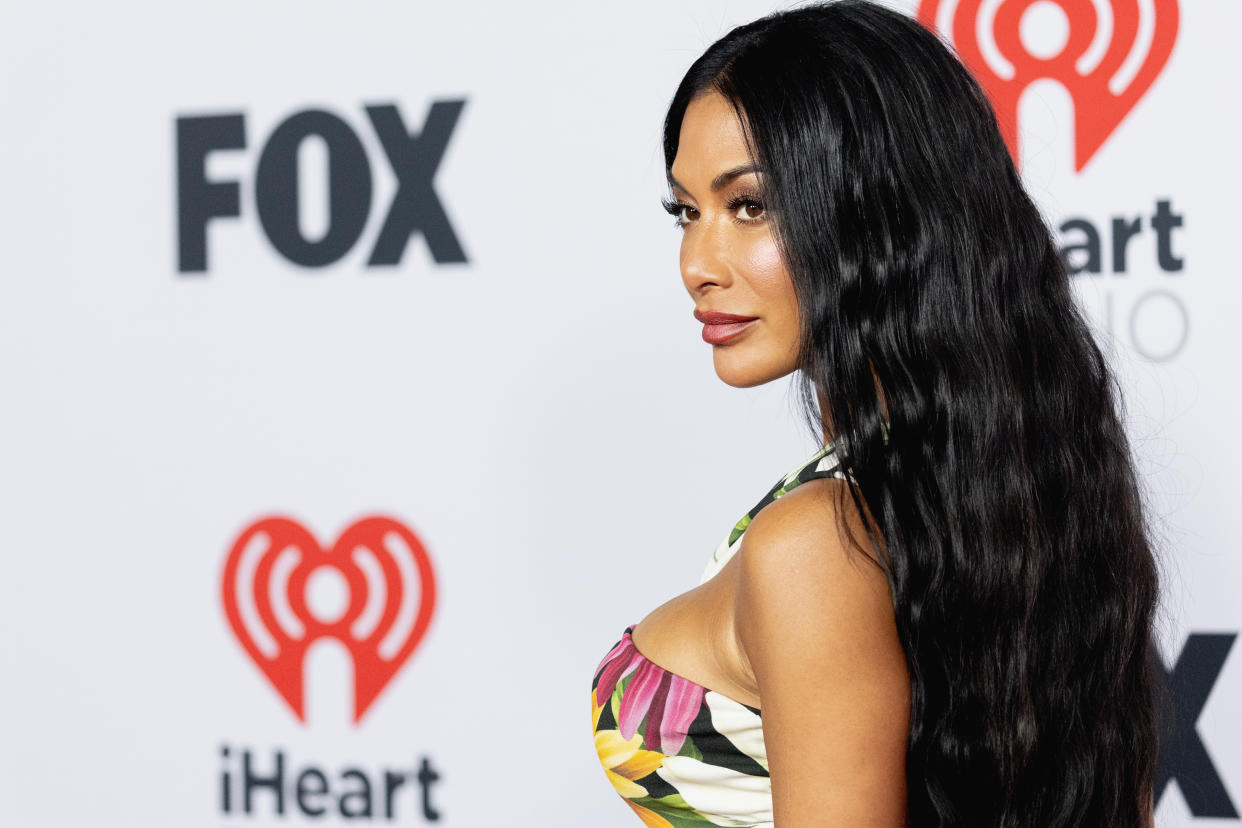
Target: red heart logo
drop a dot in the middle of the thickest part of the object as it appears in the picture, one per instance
(1104, 64)
(264, 588)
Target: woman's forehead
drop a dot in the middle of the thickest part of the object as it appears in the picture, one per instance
(711, 139)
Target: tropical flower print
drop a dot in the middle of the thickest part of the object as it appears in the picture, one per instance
(680, 755)
(626, 761)
(823, 463)
(664, 702)
(652, 728)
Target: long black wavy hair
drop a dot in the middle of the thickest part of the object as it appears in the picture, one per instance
(1024, 583)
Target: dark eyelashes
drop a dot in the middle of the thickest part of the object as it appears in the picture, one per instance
(745, 197)
(674, 207)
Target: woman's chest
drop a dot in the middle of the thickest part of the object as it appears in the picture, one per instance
(693, 635)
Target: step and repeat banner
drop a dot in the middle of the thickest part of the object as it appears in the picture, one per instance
(353, 404)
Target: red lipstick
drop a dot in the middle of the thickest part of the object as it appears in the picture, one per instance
(719, 327)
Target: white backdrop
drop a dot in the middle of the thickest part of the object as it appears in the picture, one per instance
(543, 417)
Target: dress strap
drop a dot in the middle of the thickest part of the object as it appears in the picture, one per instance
(825, 462)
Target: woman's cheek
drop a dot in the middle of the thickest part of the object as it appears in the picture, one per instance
(763, 263)
(767, 275)
(770, 281)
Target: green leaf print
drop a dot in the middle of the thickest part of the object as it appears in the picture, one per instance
(614, 703)
(688, 749)
(672, 800)
(739, 529)
(675, 809)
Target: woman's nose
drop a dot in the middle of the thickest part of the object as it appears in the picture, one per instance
(704, 259)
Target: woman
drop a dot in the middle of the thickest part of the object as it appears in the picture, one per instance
(944, 616)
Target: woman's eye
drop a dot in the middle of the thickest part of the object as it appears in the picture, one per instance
(676, 210)
(750, 211)
(745, 210)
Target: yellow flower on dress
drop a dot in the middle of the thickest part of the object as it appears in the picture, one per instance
(649, 817)
(624, 761)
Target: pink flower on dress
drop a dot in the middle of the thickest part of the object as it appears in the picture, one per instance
(620, 660)
(668, 701)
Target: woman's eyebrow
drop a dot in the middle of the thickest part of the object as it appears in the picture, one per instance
(720, 181)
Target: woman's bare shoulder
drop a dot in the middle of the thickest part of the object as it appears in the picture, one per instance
(806, 560)
(816, 525)
(814, 621)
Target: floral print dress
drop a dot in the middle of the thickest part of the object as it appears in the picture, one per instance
(680, 755)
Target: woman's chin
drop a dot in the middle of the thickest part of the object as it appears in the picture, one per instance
(747, 373)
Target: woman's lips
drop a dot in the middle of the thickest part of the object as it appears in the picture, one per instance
(720, 327)
(722, 332)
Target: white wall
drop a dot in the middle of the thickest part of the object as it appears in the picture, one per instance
(543, 416)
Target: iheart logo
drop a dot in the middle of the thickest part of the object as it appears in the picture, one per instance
(391, 595)
(1106, 53)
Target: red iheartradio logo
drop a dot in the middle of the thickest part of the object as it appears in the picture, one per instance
(1106, 53)
(390, 590)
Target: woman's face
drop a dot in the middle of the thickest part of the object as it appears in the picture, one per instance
(729, 259)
